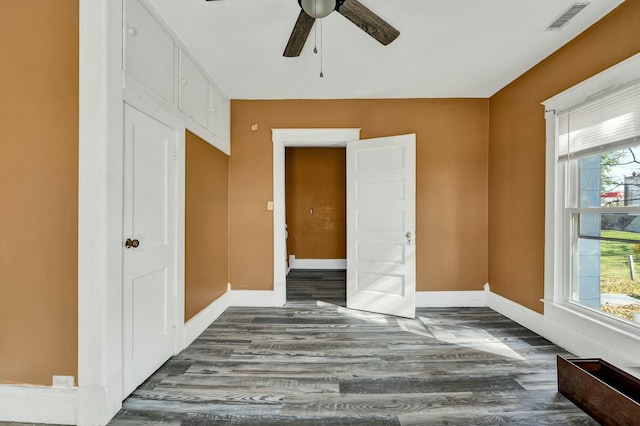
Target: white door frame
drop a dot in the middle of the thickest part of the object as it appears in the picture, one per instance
(100, 220)
(326, 138)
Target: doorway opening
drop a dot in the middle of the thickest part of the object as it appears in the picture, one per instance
(317, 287)
(283, 138)
(316, 215)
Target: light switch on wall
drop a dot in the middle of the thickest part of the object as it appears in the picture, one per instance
(270, 205)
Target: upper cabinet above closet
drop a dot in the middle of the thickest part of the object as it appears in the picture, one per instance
(220, 113)
(148, 51)
(160, 75)
(194, 91)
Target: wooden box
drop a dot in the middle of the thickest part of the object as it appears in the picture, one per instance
(608, 394)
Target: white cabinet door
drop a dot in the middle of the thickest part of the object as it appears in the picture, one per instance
(381, 223)
(148, 51)
(149, 252)
(220, 115)
(194, 92)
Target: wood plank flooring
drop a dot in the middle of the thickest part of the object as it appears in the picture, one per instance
(317, 363)
(313, 285)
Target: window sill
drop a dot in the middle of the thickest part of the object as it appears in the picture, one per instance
(604, 332)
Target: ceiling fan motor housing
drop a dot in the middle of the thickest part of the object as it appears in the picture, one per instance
(319, 8)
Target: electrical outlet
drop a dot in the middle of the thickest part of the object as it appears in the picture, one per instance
(62, 381)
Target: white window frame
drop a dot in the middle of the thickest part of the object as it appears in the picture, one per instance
(559, 236)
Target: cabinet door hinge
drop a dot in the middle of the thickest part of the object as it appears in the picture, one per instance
(175, 153)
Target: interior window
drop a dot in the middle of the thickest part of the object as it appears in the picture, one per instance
(598, 143)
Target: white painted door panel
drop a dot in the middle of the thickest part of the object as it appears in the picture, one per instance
(194, 91)
(148, 50)
(381, 225)
(220, 117)
(148, 270)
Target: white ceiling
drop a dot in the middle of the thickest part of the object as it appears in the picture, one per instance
(446, 48)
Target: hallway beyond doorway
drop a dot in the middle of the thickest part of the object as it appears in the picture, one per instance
(308, 286)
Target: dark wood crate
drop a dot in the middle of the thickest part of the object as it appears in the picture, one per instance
(608, 394)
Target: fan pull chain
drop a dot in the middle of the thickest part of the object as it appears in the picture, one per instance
(315, 29)
(321, 50)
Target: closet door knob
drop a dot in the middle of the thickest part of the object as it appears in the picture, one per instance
(131, 243)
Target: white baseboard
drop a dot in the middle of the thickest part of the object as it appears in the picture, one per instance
(578, 334)
(517, 313)
(317, 263)
(203, 319)
(257, 298)
(38, 404)
(446, 299)
(97, 405)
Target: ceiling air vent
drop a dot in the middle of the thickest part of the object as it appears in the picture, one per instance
(568, 15)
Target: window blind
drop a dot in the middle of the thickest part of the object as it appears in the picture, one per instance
(605, 123)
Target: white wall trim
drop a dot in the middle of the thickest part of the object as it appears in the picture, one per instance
(100, 220)
(317, 263)
(571, 332)
(315, 137)
(447, 299)
(38, 404)
(255, 298)
(203, 319)
(293, 137)
(98, 404)
(100, 212)
(607, 80)
(518, 313)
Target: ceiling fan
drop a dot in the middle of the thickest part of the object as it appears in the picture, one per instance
(353, 10)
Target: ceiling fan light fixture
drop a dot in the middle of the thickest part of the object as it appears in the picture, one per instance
(318, 8)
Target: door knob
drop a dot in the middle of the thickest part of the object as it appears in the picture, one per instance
(131, 243)
(409, 236)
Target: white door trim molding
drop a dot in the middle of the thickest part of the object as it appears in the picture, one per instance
(99, 392)
(100, 212)
(299, 138)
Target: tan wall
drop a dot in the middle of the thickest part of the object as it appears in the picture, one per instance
(38, 190)
(452, 144)
(316, 180)
(517, 150)
(206, 223)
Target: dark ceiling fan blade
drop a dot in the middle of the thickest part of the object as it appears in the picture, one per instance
(299, 35)
(368, 21)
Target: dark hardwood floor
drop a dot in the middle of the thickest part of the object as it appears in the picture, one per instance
(318, 363)
(312, 285)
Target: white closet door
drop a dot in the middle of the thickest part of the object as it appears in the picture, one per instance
(149, 247)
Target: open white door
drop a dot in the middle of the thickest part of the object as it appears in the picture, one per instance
(381, 192)
(149, 298)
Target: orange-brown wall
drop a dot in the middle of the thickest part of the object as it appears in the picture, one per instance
(316, 181)
(451, 178)
(517, 151)
(38, 190)
(206, 223)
